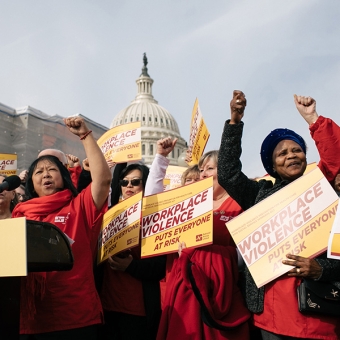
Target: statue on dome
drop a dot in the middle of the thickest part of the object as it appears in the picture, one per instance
(145, 69)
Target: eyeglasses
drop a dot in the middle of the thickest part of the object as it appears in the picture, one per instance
(21, 197)
(134, 182)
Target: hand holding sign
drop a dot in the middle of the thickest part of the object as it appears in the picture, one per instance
(304, 267)
(119, 263)
(181, 246)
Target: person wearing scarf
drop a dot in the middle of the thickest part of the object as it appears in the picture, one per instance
(65, 304)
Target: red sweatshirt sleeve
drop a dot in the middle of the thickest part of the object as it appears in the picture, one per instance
(326, 135)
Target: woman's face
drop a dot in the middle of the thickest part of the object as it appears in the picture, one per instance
(46, 178)
(6, 196)
(289, 160)
(209, 168)
(20, 193)
(192, 177)
(130, 190)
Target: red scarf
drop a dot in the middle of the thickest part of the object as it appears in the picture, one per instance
(38, 209)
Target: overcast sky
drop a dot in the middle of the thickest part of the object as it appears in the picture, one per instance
(70, 56)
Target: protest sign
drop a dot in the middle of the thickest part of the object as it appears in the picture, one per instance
(13, 254)
(120, 227)
(173, 176)
(333, 251)
(179, 215)
(122, 143)
(199, 135)
(8, 164)
(297, 220)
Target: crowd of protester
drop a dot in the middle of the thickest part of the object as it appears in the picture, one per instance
(197, 293)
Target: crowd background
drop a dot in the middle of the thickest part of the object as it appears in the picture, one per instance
(204, 293)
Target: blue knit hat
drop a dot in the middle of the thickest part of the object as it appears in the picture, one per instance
(270, 143)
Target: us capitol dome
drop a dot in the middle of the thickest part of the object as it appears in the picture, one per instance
(156, 121)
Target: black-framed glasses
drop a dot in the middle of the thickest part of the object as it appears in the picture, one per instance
(134, 182)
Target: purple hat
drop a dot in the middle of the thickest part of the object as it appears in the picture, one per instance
(270, 143)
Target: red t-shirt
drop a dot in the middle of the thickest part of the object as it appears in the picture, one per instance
(70, 299)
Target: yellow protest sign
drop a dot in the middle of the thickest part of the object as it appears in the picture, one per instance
(297, 220)
(173, 176)
(122, 143)
(179, 215)
(8, 164)
(333, 251)
(13, 253)
(120, 227)
(199, 135)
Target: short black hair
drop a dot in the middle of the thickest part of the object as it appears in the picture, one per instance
(30, 192)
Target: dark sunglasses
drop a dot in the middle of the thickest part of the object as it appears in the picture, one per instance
(134, 182)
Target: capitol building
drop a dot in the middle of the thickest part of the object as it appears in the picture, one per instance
(26, 130)
(156, 121)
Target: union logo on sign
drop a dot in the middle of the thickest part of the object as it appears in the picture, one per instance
(199, 237)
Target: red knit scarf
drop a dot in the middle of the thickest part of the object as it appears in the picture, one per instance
(38, 209)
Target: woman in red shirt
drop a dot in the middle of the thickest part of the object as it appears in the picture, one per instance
(65, 304)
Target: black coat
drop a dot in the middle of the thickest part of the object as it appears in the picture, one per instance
(246, 193)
